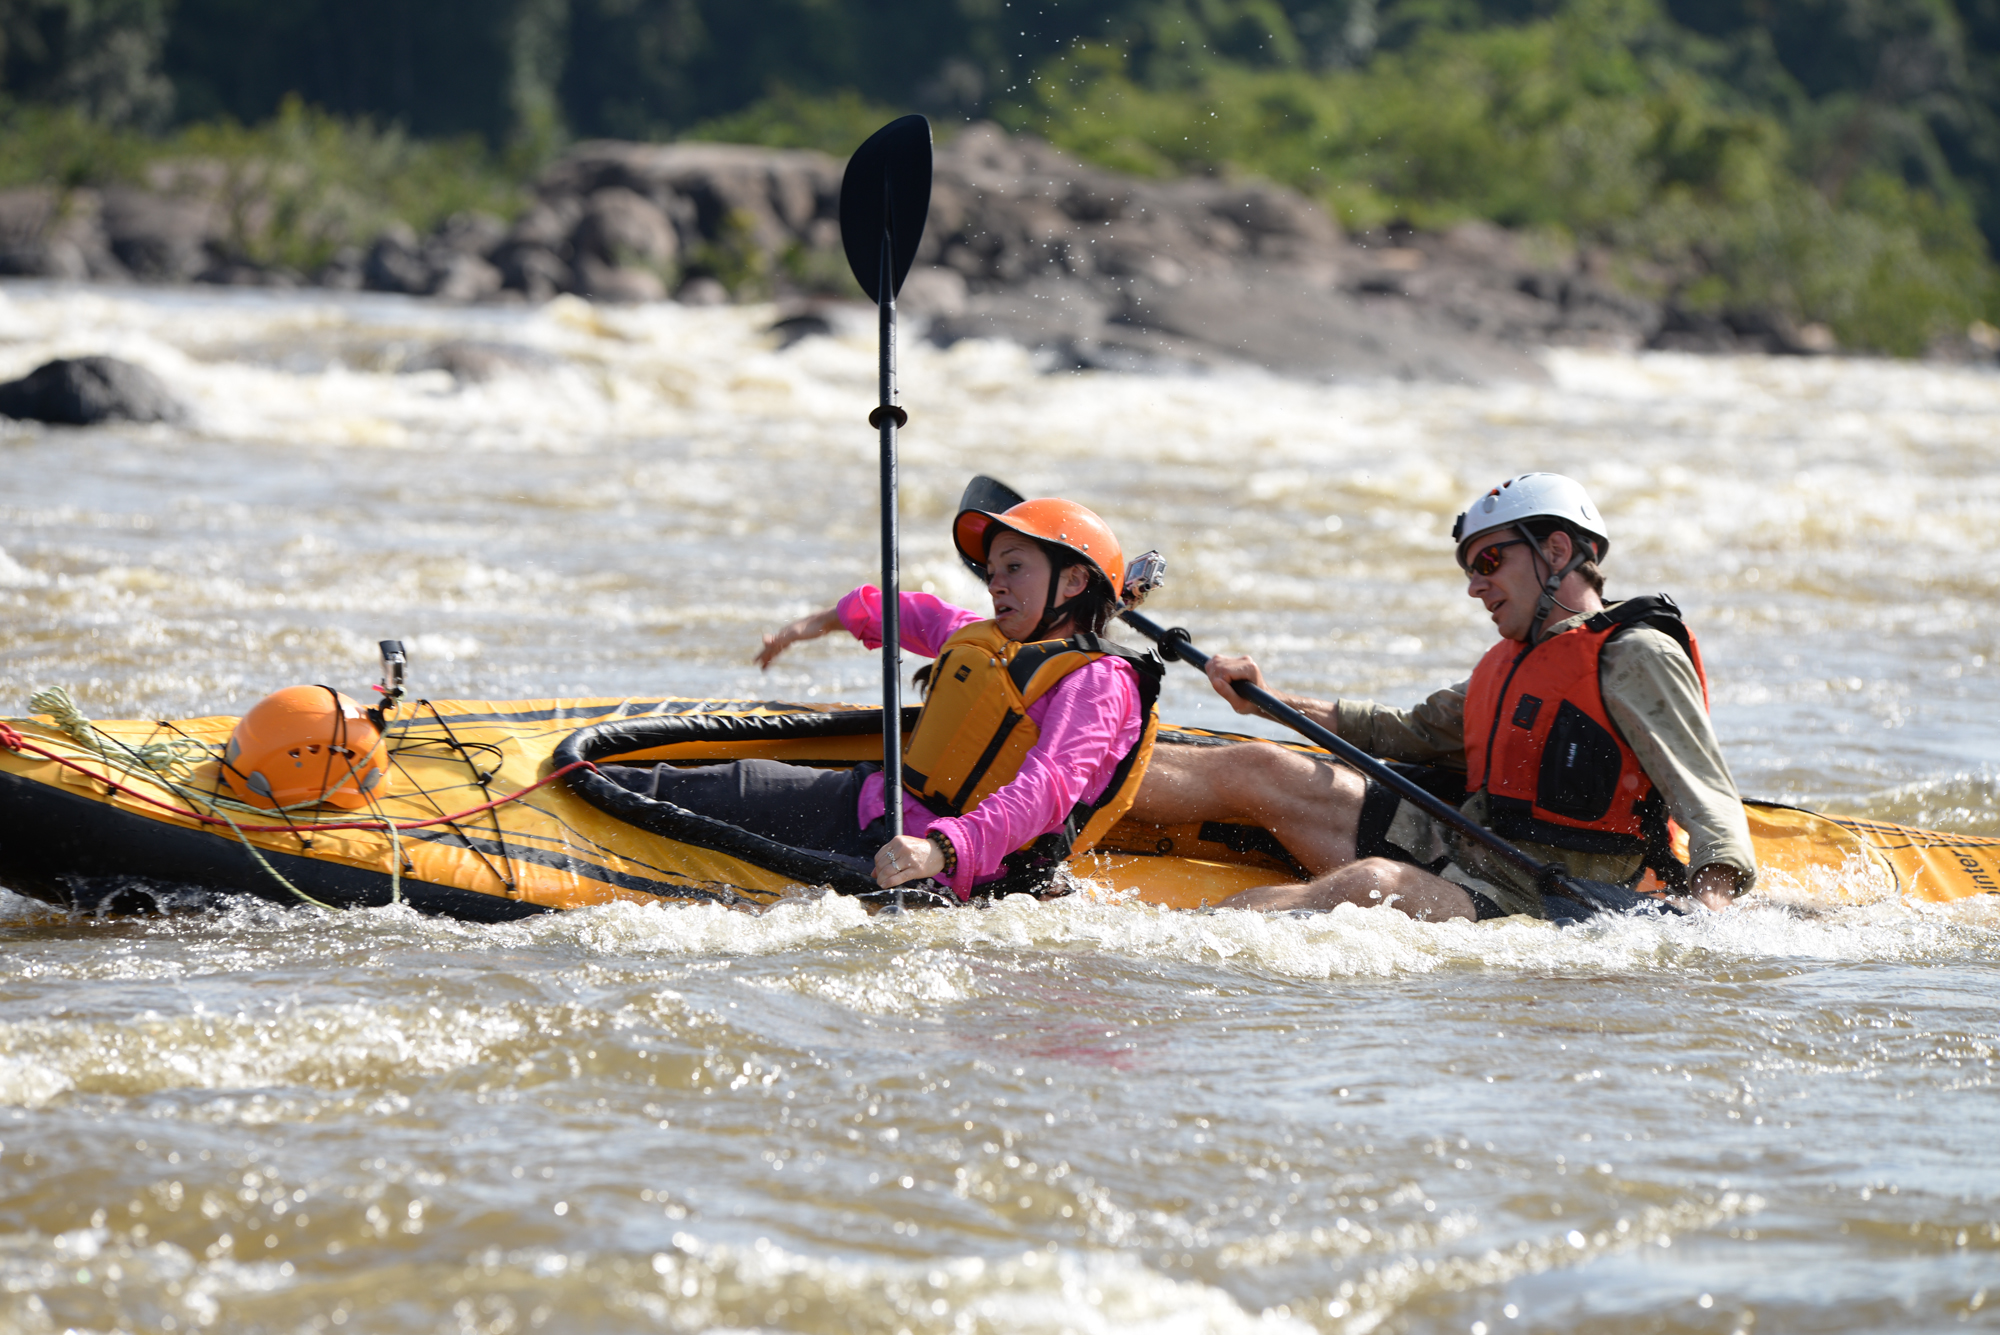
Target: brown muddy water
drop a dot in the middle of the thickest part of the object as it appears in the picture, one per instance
(1081, 1116)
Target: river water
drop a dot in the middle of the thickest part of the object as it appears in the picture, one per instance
(1081, 1116)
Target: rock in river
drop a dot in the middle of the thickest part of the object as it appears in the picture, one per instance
(81, 391)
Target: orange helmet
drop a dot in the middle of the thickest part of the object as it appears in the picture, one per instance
(1064, 523)
(306, 744)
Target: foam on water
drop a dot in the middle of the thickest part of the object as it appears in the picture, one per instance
(686, 1287)
(1348, 942)
(914, 967)
(322, 1047)
(1081, 1115)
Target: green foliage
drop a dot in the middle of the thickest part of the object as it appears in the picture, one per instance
(735, 259)
(435, 67)
(834, 123)
(97, 57)
(295, 188)
(820, 270)
(1602, 121)
(1892, 270)
(1834, 160)
(62, 146)
(1561, 122)
(304, 183)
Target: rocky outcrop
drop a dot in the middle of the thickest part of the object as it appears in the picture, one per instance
(631, 222)
(46, 233)
(83, 391)
(1101, 270)
(1087, 267)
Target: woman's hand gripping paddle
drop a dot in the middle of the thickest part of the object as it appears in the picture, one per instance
(884, 199)
(1568, 898)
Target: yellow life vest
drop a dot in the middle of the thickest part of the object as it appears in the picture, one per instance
(974, 731)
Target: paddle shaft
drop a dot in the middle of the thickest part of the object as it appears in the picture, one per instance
(1177, 645)
(892, 628)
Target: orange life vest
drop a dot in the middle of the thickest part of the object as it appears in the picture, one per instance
(1539, 741)
(974, 733)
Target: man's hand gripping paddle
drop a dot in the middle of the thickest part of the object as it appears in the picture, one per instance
(1568, 898)
(884, 199)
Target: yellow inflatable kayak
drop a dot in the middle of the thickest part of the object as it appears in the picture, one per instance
(494, 811)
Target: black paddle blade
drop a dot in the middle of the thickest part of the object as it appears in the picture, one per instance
(991, 495)
(988, 493)
(888, 184)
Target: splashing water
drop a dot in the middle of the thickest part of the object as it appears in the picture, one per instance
(1086, 1115)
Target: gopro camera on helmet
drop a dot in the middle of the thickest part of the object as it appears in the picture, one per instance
(1147, 572)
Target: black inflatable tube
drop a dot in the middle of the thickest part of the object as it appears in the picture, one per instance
(67, 849)
(607, 740)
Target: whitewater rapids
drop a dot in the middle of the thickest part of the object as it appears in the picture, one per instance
(1080, 1116)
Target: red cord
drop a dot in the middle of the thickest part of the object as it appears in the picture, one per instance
(13, 741)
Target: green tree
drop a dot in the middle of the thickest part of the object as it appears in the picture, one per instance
(1836, 160)
(1603, 124)
(98, 57)
(440, 67)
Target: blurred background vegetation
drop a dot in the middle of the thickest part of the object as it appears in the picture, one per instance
(1837, 161)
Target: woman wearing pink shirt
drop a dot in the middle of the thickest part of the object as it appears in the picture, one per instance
(1034, 733)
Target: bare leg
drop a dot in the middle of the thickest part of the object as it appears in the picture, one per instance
(1369, 883)
(1312, 806)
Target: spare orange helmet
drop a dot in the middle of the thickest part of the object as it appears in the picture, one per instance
(1064, 523)
(306, 744)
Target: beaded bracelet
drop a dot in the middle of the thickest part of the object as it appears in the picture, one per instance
(943, 846)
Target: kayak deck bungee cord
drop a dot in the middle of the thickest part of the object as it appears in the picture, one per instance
(494, 810)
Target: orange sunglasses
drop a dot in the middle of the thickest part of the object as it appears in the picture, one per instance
(1487, 559)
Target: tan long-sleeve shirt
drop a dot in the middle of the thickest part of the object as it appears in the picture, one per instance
(1652, 694)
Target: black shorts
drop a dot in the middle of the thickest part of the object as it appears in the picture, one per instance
(1379, 807)
(795, 805)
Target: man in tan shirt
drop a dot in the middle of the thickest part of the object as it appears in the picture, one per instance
(1582, 731)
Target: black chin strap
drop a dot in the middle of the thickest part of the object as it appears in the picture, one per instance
(1548, 602)
(1052, 614)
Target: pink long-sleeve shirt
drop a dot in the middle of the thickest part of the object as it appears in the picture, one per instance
(1087, 722)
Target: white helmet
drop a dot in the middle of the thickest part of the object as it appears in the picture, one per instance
(1527, 497)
